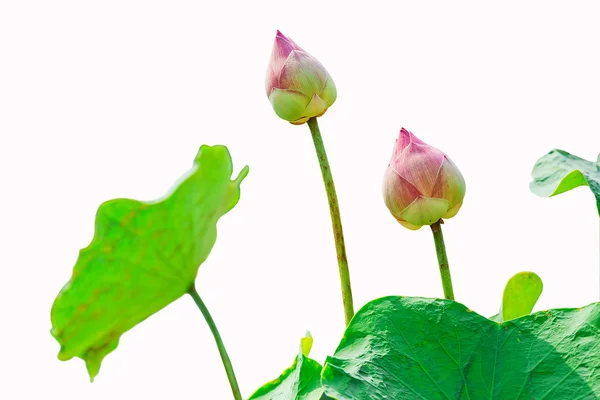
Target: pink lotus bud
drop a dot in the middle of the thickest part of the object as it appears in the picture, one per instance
(298, 86)
(421, 184)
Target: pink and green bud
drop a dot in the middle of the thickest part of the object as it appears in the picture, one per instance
(298, 86)
(421, 184)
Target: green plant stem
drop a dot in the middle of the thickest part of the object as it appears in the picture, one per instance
(224, 357)
(440, 248)
(336, 220)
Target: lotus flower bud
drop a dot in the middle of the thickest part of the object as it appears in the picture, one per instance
(298, 86)
(421, 184)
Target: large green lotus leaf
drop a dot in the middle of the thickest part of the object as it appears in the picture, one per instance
(143, 256)
(559, 171)
(301, 381)
(415, 348)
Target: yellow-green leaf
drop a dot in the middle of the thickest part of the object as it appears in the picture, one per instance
(521, 293)
(143, 256)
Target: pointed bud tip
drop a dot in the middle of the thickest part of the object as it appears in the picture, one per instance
(407, 137)
(404, 139)
(284, 44)
(280, 35)
(405, 133)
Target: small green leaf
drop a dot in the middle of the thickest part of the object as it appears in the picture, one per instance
(415, 348)
(521, 293)
(301, 381)
(144, 256)
(559, 171)
(306, 343)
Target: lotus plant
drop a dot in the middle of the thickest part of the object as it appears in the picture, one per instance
(300, 90)
(421, 187)
(146, 255)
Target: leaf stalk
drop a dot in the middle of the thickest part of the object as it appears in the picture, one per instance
(235, 389)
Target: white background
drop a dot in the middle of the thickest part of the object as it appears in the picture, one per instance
(112, 99)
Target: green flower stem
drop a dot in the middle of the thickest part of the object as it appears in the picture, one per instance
(336, 221)
(224, 357)
(440, 249)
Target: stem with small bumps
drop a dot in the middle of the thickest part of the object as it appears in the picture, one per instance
(336, 220)
(442, 257)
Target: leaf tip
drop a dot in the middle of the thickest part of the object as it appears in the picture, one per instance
(92, 373)
(63, 356)
(93, 368)
(306, 344)
(217, 152)
(242, 175)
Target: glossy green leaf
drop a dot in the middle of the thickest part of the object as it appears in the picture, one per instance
(521, 293)
(415, 348)
(559, 171)
(143, 256)
(301, 381)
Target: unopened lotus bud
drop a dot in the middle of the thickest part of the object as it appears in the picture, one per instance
(421, 184)
(297, 85)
